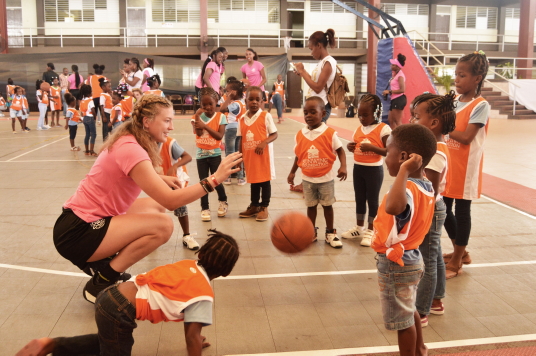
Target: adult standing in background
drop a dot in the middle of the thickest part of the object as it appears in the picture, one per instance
(49, 74)
(148, 72)
(64, 85)
(211, 72)
(253, 70)
(278, 97)
(323, 75)
(75, 82)
(398, 87)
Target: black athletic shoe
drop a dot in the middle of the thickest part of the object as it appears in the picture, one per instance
(125, 277)
(95, 266)
(94, 287)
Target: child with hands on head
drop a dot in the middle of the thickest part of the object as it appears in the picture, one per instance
(257, 131)
(403, 219)
(368, 146)
(317, 148)
(437, 113)
(209, 127)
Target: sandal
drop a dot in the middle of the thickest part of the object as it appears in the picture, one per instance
(93, 153)
(75, 148)
(452, 272)
(87, 153)
(466, 259)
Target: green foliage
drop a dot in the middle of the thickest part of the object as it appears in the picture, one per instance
(507, 70)
(444, 80)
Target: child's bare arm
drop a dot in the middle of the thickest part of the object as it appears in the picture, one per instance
(260, 147)
(342, 173)
(292, 174)
(397, 200)
(194, 340)
(364, 147)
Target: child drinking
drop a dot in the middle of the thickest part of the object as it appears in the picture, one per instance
(235, 108)
(209, 127)
(403, 219)
(72, 119)
(466, 147)
(438, 114)
(257, 131)
(368, 146)
(317, 148)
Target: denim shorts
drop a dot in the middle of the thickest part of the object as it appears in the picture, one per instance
(181, 212)
(398, 292)
(319, 193)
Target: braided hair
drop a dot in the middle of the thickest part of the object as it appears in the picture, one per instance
(148, 106)
(375, 103)
(85, 91)
(441, 107)
(152, 80)
(479, 66)
(219, 254)
(237, 86)
(210, 92)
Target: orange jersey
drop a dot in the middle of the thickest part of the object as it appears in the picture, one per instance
(466, 161)
(17, 103)
(167, 157)
(154, 92)
(10, 89)
(106, 101)
(279, 88)
(374, 138)
(85, 106)
(386, 235)
(444, 183)
(44, 96)
(127, 104)
(96, 90)
(116, 113)
(76, 115)
(207, 142)
(2, 101)
(164, 292)
(316, 157)
(55, 103)
(258, 167)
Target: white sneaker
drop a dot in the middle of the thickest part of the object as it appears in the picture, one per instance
(40, 129)
(241, 181)
(367, 238)
(353, 233)
(333, 240)
(46, 127)
(190, 243)
(205, 215)
(227, 181)
(222, 209)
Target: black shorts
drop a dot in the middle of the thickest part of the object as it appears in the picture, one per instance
(399, 103)
(77, 240)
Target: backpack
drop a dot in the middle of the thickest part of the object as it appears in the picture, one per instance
(350, 112)
(338, 89)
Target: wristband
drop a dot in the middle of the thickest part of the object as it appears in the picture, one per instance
(206, 185)
(214, 180)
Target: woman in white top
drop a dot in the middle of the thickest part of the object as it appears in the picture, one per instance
(134, 79)
(148, 72)
(322, 76)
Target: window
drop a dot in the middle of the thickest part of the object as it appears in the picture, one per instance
(482, 18)
(175, 11)
(406, 9)
(329, 7)
(512, 13)
(262, 11)
(511, 21)
(81, 10)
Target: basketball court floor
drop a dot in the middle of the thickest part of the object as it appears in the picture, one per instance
(320, 302)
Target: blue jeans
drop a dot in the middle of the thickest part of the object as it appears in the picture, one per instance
(278, 103)
(91, 130)
(433, 282)
(328, 113)
(63, 91)
(115, 317)
(232, 144)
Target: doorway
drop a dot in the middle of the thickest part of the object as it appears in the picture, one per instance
(295, 23)
(136, 35)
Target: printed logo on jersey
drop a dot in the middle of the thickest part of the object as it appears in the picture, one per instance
(206, 139)
(313, 159)
(366, 153)
(250, 143)
(452, 144)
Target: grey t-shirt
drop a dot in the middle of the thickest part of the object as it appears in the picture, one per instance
(480, 114)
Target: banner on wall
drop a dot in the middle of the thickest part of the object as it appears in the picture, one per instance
(418, 79)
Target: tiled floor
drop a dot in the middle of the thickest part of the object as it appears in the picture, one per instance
(261, 315)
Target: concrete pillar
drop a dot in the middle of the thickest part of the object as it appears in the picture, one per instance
(525, 47)
(203, 21)
(372, 52)
(360, 25)
(40, 12)
(3, 26)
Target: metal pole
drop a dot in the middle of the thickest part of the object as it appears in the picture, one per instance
(514, 108)
(156, 40)
(249, 39)
(93, 39)
(31, 39)
(279, 39)
(218, 37)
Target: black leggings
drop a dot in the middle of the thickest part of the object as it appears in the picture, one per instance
(458, 225)
(367, 183)
(256, 189)
(206, 166)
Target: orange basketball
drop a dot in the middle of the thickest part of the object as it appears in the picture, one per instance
(292, 232)
(45, 86)
(245, 81)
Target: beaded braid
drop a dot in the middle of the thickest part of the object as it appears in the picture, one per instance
(442, 107)
(210, 92)
(479, 66)
(219, 254)
(376, 104)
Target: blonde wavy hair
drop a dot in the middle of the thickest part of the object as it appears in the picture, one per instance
(148, 106)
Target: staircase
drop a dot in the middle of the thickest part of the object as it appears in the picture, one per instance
(505, 106)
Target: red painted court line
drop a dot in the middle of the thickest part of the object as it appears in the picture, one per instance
(512, 194)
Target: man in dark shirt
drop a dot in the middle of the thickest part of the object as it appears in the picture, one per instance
(49, 74)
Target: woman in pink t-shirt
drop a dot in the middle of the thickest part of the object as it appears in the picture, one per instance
(211, 72)
(254, 71)
(104, 227)
(398, 87)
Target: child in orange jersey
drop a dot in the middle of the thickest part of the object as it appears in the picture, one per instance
(154, 296)
(438, 114)
(27, 111)
(209, 127)
(89, 114)
(174, 160)
(42, 104)
(368, 147)
(466, 147)
(116, 115)
(154, 83)
(3, 104)
(55, 102)
(317, 147)
(403, 219)
(17, 109)
(72, 119)
(257, 131)
(105, 105)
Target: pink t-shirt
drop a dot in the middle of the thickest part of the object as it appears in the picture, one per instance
(395, 85)
(214, 78)
(72, 81)
(108, 190)
(253, 73)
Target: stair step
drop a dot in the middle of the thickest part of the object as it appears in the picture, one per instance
(487, 89)
(507, 106)
(501, 103)
(497, 98)
(522, 117)
(518, 112)
(491, 93)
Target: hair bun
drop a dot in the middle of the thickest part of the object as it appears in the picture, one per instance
(96, 66)
(401, 58)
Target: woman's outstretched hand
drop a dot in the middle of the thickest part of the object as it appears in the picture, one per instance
(226, 166)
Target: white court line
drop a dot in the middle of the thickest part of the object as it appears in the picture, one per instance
(509, 207)
(394, 348)
(38, 148)
(46, 160)
(276, 275)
